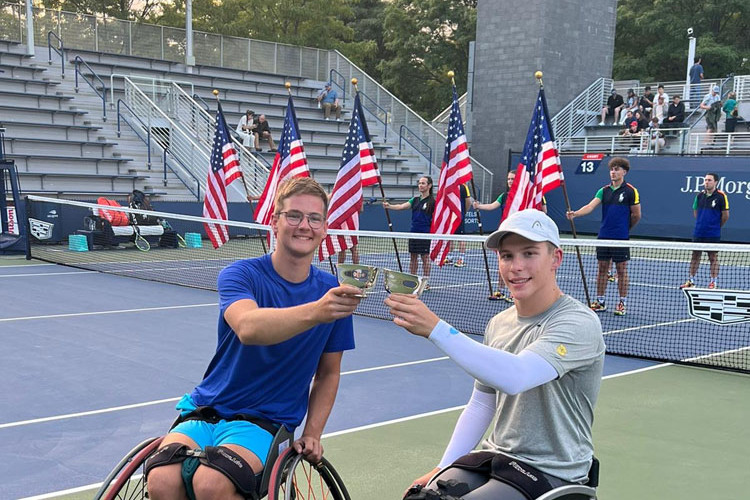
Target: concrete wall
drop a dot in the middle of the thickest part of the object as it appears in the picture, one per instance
(571, 41)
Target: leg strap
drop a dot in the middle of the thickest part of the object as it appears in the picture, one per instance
(174, 453)
(234, 467)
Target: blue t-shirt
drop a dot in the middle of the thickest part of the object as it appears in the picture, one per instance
(616, 205)
(695, 73)
(708, 216)
(330, 96)
(421, 214)
(271, 381)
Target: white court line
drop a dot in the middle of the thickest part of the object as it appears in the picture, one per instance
(93, 313)
(168, 400)
(45, 274)
(342, 432)
(29, 265)
(653, 325)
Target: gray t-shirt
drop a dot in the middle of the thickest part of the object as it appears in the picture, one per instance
(549, 427)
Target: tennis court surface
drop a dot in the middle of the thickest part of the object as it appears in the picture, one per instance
(96, 361)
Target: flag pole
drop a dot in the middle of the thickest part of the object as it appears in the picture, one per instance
(538, 76)
(451, 75)
(248, 196)
(382, 195)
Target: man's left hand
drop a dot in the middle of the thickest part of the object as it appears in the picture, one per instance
(310, 448)
(411, 313)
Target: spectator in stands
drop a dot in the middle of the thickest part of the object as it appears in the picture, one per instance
(328, 99)
(660, 109)
(641, 119)
(711, 212)
(501, 293)
(283, 324)
(656, 138)
(632, 129)
(631, 104)
(711, 105)
(627, 118)
(422, 207)
(660, 92)
(675, 114)
(614, 106)
(263, 131)
(246, 128)
(537, 376)
(621, 211)
(730, 108)
(646, 104)
(696, 75)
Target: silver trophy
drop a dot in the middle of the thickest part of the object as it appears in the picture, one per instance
(359, 275)
(397, 282)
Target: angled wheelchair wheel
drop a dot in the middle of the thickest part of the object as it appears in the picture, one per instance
(126, 481)
(294, 478)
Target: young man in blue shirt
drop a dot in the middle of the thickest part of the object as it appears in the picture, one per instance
(282, 325)
(621, 211)
(711, 212)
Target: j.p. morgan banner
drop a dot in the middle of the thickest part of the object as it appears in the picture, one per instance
(667, 187)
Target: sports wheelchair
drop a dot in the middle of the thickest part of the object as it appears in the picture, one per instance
(287, 476)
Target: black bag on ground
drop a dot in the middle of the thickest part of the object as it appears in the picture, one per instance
(138, 200)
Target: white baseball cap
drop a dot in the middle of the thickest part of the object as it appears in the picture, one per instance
(532, 224)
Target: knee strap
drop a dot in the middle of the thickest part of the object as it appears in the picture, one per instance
(234, 467)
(174, 453)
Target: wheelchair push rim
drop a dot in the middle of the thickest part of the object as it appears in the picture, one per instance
(294, 478)
(123, 483)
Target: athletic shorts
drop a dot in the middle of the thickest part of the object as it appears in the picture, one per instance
(706, 239)
(616, 254)
(420, 247)
(238, 432)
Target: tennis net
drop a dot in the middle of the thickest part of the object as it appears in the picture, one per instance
(697, 325)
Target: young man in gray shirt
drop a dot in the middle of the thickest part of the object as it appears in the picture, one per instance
(537, 374)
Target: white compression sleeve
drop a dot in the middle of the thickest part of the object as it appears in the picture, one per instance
(470, 426)
(501, 370)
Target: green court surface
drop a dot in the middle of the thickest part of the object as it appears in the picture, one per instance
(671, 432)
(16, 260)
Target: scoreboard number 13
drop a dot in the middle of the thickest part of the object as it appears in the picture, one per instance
(589, 163)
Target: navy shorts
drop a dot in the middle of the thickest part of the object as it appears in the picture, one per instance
(420, 247)
(616, 254)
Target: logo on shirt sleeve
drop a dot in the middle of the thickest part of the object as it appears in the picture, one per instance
(561, 350)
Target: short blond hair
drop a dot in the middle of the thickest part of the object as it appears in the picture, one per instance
(297, 186)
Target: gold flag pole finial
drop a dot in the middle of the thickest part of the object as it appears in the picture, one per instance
(288, 86)
(215, 92)
(451, 74)
(538, 75)
(355, 82)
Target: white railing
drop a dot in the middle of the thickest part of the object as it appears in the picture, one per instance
(116, 36)
(441, 120)
(191, 159)
(734, 143)
(156, 86)
(742, 87)
(583, 110)
(201, 125)
(430, 141)
(641, 144)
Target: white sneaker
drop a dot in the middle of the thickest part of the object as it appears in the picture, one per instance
(602, 123)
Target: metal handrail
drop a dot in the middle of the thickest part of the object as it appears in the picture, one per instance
(103, 94)
(401, 137)
(120, 102)
(375, 115)
(60, 50)
(342, 87)
(198, 98)
(731, 142)
(148, 79)
(571, 120)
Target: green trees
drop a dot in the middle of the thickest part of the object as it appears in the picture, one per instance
(651, 40)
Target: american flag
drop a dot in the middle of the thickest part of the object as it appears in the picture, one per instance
(358, 169)
(455, 170)
(290, 161)
(225, 168)
(539, 170)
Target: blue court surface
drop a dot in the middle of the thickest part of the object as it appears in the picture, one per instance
(94, 363)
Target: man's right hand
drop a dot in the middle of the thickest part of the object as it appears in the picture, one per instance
(337, 303)
(423, 480)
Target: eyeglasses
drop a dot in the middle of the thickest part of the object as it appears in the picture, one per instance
(294, 218)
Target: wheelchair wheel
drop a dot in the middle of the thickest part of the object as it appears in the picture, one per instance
(126, 481)
(294, 478)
